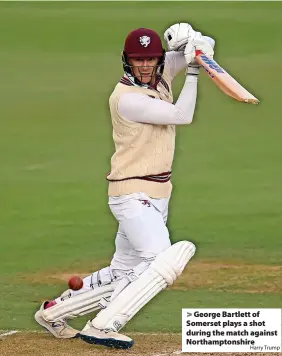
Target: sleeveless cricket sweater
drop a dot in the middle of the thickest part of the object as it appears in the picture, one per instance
(144, 153)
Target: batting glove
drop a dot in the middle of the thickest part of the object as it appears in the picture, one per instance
(177, 36)
(204, 44)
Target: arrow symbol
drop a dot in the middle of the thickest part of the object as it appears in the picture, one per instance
(188, 314)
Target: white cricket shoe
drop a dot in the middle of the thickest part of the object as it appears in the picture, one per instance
(93, 335)
(60, 329)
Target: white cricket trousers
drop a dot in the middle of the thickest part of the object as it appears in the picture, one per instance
(142, 232)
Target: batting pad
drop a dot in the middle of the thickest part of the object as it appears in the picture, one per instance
(80, 304)
(162, 272)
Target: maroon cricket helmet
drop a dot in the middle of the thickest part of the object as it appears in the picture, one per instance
(143, 43)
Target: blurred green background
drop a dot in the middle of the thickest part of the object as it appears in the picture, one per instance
(59, 62)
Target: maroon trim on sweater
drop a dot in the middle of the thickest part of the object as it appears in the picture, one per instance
(164, 83)
(159, 178)
(126, 81)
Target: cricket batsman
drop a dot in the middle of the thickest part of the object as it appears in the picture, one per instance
(144, 117)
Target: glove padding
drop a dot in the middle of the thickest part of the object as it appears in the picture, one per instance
(182, 37)
(177, 36)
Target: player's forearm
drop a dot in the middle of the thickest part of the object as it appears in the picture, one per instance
(186, 101)
(174, 63)
(143, 109)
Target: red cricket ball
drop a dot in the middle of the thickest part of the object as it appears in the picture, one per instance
(75, 283)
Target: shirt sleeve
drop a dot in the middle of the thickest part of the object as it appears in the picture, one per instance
(174, 63)
(141, 108)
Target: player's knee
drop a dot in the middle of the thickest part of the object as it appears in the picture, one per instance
(149, 257)
(171, 262)
(155, 249)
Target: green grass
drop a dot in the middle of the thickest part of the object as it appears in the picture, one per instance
(58, 64)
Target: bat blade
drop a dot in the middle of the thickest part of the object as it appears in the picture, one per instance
(224, 80)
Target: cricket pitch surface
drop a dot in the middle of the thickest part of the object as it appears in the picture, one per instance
(43, 344)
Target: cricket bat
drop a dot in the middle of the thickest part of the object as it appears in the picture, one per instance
(224, 80)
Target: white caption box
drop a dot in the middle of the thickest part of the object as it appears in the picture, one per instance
(231, 330)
